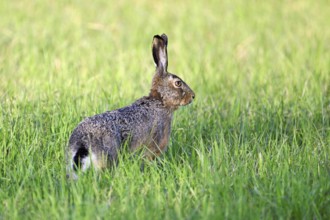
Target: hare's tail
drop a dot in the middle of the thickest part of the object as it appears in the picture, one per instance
(79, 157)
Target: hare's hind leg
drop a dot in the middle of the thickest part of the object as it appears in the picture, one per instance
(98, 153)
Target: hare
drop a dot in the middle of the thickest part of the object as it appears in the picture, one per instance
(146, 122)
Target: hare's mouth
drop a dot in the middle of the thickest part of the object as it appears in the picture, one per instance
(186, 102)
(190, 102)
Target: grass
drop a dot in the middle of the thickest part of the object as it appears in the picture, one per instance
(254, 145)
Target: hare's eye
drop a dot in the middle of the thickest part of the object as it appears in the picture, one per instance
(178, 83)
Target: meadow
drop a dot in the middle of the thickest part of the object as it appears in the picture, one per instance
(253, 145)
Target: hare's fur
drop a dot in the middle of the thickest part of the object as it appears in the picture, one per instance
(146, 122)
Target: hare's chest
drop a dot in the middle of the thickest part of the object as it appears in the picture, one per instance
(164, 137)
(160, 140)
(153, 132)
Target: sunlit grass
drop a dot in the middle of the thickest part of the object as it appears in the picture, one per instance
(254, 144)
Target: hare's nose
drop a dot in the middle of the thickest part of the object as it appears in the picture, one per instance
(193, 96)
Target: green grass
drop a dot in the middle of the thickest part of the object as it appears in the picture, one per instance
(254, 144)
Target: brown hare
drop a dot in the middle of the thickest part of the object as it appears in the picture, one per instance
(146, 122)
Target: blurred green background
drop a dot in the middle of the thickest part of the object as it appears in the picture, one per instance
(254, 144)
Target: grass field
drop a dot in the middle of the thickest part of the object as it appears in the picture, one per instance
(255, 144)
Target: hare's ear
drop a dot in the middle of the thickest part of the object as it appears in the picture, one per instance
(159, 52)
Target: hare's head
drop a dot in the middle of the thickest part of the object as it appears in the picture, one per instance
(167, 87)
